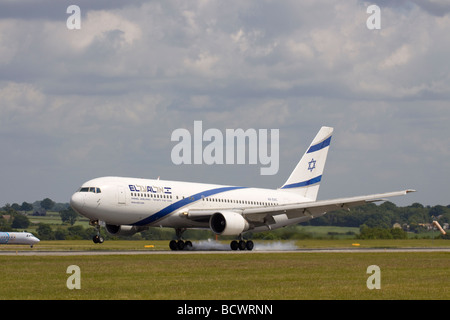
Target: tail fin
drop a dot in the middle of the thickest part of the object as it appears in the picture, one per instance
(306, 177)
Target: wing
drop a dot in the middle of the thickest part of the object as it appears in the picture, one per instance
(310, 210)
(259, 216)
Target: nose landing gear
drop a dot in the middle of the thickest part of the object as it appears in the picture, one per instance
(97, 238)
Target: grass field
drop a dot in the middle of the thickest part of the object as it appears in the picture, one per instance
(227, 276)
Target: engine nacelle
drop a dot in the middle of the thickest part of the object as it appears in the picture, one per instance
(228, 223)
(123, 230)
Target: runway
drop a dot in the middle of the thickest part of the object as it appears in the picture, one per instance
(153, 252)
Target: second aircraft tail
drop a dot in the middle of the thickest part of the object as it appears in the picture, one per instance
(306, 177)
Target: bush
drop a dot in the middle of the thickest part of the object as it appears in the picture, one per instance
(45, 232)
(381, 233)
(20, 222)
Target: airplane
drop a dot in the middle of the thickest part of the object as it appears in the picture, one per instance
(126, 206)
(18, 238)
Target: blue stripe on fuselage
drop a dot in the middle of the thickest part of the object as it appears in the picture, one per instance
(174, 206)
(4, 237)
(303, 183)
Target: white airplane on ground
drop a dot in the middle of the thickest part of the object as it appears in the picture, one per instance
(18, 238)
(130, 205)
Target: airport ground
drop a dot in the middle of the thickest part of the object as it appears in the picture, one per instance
(306, 270)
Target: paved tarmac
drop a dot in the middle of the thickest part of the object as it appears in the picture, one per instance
(147, 252)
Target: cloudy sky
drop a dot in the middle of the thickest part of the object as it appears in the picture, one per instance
(105, 99)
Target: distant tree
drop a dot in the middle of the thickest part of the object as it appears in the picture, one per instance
(437, 211)
(61, 234)
(20, 222)
(45, 232)
(47, 204)
(8, 209)
(388, 206)
(78, 233)
(4, 224)
(398, 233)
(26, 206)
(68, 215)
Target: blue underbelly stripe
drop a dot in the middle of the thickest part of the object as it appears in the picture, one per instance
(183, 202)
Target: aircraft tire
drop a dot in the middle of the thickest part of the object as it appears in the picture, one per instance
(234, 245)
(241, 245)
(98, 239)
(180, 245)
(173, 245)
(249, 245)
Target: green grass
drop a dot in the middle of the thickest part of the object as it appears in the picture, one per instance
(88, 245)
(251, 276)
(228, 276)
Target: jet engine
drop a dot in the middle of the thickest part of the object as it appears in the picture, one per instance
(228, 223)
(123, 230)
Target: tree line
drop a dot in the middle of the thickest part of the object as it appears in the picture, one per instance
(412, 218)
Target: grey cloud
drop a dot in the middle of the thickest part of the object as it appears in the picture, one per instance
(437, 8)
(55, 10)
(105, 99)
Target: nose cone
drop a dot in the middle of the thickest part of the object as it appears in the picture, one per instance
(77, 201)
(35, 240)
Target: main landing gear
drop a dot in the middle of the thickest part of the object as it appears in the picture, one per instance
(242, 245)
(180, 244)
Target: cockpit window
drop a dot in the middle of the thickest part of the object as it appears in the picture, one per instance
(91, 189)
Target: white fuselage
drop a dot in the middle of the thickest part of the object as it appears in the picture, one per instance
(18, 238)
(147, 202)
